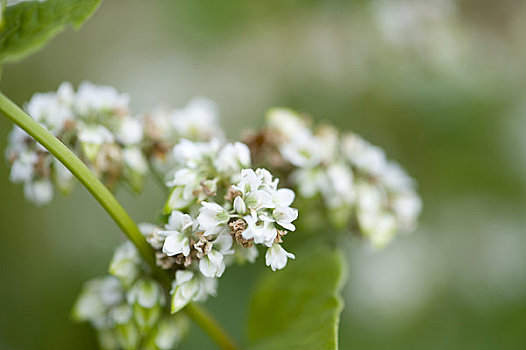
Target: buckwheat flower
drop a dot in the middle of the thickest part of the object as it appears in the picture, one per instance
(212, 218)
(309, 182)
(178, 229)
(130, 131)
(192, 153)
(189, 286)
(276, 257)
(92, 137)
(380, 227)
(284, 217)
(126, 263)
(288, 122)
(46, 109)
(261, 231)
(91, 98)
(232, 158)
(364, 155)
(39, 192)
(170, 331)
(338, 187)
(98, 296)
(407, 208)
(134, 160)
(198, 120)
(22, 169)
(303, 151)
(212, 264)
(146, 293)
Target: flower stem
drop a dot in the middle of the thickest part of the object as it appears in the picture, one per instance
(112, 207)
(209, 325)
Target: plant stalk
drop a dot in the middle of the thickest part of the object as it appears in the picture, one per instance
(112, 207)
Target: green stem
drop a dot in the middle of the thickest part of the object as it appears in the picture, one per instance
(208, 324)
(112, 207)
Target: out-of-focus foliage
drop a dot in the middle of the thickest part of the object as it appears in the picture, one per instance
(29, 25)
(446, 100)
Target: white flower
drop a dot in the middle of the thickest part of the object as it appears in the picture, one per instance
(249, 181)
(134, 159)
(96, 298)
(407, 207)
(92, 137)
(39, 192)
(198, 120)
(170, 331)
(284, 217)
(46, 109)
(309, 181)
(212, 217)
(239, 205)
(364, 155)
(303, 151)
(95, 134)
(261, 231)
(212, 264)
(177, 199)
(188, 287)
(92, 98)
(232, 158)
(146, 293)
(192, 154)
(287, 122)
(276, 257)
(175, 243)
(380, 227)
(283, 197)
(396, 179)
(130, 131)
(178, 229)
(125, 263)
(338, 187)
(22, 169)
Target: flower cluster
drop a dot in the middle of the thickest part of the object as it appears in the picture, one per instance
(197, 121)
(217, 212)
(127, 307)
(95, 122)
(357, 183)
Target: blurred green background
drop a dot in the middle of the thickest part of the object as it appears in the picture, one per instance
(439, 84)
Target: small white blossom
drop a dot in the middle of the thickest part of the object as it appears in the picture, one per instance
(364, 155)
(261, 231)
(188, 287)
(39, 192)
(22, 168)
(125, 263)
(212, 264)
(93, 98)
(198, 120)
(212, 217)
(146, 293)
(130, 131)
(276, 257)
(177, 234)
(134, 159)
(232, 158)
(46, 109)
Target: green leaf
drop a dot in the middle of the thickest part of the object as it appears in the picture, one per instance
(27, 26)
(299, 307)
